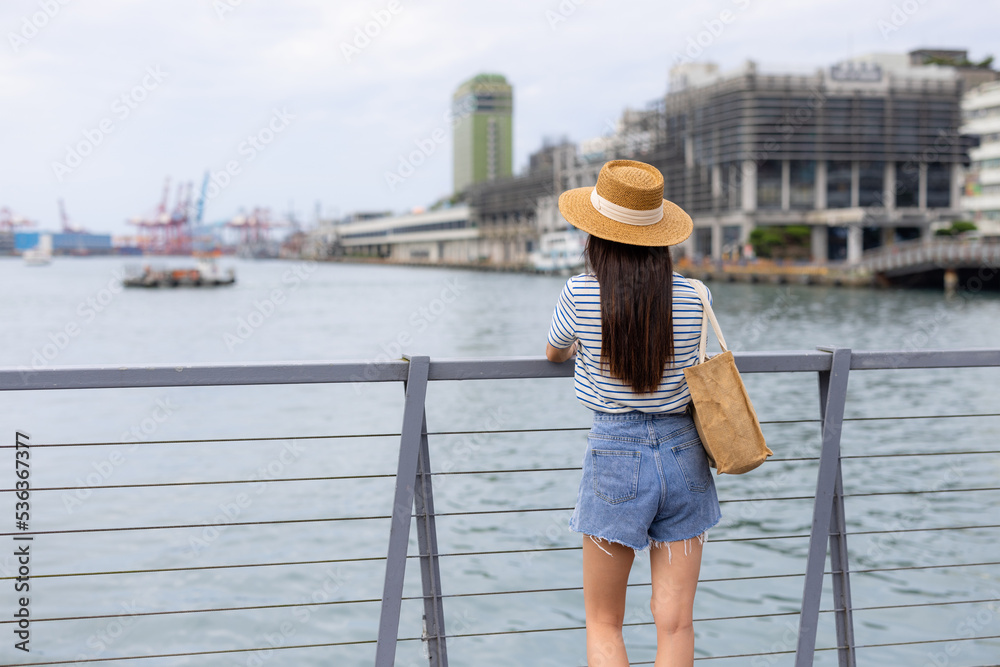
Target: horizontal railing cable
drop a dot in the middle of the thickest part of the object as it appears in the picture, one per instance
(575, 628)
(203, 441)
(714, 540)
(927, 641)
(196, 568)
(333, 478)
(898, 417)
(337, 436)
(965, 452)
(557, 429)
(175, 612)
(914, 530)
(907, 568)
(188, 654)
(920, 492)
(153, 485)
(548, 549)
(77, 531)
(569, 589)
(917, 604)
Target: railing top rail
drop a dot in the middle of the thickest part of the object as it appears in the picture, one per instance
(498, 368)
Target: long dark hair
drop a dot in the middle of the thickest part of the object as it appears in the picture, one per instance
(636, 320)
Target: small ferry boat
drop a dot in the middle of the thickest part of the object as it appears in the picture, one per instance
(559, 252)
(206, 274)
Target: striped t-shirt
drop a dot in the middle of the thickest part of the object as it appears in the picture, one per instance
(578, 317)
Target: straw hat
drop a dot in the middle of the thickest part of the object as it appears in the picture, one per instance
(627, 206)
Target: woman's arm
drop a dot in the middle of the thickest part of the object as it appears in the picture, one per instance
(559, 354)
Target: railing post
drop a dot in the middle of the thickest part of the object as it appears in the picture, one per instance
(839, 565)
(430, 572)
(399, 531)
(828, 521)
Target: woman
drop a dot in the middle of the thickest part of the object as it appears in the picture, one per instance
(634, 325)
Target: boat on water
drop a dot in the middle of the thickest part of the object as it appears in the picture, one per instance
(41, 254)
(559, 252)
(205, 274)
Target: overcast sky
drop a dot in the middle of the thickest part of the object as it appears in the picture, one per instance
(156, 89)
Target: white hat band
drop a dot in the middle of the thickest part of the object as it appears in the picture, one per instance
(627, 215)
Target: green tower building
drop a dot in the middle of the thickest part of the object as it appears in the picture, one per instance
(483, 134)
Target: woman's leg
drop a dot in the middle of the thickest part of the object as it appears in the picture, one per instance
(605, 575)
(674, 571)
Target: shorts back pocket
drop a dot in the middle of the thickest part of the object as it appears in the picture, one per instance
(693, 462)
(616, 474)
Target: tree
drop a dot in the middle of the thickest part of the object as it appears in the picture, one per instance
(791, 242)
(957, 227)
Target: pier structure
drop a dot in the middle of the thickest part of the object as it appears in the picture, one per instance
(940, 260)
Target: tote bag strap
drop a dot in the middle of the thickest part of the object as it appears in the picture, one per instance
(708, 315)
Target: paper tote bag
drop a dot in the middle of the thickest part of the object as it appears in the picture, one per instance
(723, 414)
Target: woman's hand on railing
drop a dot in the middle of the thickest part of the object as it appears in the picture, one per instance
(560, 354)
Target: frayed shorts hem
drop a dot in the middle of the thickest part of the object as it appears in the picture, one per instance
(702, 536)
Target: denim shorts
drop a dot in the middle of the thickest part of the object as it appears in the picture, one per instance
(646, 480)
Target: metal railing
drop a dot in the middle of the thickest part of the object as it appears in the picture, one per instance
(413, 499)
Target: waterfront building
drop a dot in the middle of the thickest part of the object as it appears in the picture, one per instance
(322, 241)
(981, 111)
(483, 109)
(865, 152)
(446, 236)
